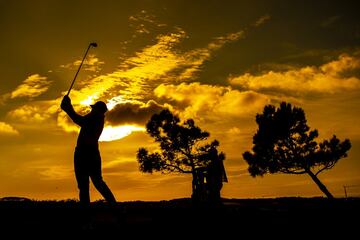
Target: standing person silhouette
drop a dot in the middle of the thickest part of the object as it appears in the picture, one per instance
(87, 160)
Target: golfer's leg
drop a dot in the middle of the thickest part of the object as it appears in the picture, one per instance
(100, 185)
(82, 178)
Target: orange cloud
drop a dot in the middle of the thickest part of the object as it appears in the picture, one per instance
(331, 77)
(35, 112)
(210, 101)
(33, 86)
(6, 129)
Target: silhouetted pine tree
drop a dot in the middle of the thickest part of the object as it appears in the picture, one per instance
(181, 150)
(284, 143)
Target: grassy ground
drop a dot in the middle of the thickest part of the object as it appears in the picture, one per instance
(258, 217)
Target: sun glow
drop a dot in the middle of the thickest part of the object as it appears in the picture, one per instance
(90, 100)
(114, 133)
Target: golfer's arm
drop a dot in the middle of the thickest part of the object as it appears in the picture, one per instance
(78, 119)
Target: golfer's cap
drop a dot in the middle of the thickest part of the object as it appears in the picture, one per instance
(101, 106)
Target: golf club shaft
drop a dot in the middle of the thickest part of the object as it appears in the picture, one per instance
(87, 50)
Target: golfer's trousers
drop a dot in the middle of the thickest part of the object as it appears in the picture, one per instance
(87, 163)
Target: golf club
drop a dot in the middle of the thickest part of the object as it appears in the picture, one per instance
(93, 44)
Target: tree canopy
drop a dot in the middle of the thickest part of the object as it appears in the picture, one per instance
(182, 148)
(284, 143)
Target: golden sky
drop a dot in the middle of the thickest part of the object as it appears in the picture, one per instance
(218, 62)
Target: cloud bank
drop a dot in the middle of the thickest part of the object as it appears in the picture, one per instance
(133, 113)
(197, 100)
(335, 76)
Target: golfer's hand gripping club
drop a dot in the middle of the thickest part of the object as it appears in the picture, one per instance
(65, 103)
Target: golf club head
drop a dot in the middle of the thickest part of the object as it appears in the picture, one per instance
(93, 44)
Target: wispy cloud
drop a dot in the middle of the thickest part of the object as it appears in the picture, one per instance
(334, 76)
(91, 63)
(144, 22)
(193, 60)
(55, 172)
(33, 86)
(7, 129)
(262, 20)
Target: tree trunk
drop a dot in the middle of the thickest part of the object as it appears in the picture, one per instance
(195, 180)
(320, 184)
(193, 185)
(198, 186)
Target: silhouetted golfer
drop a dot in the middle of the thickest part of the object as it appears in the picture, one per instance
(87, 160)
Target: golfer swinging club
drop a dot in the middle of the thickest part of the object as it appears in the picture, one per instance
(87, 160)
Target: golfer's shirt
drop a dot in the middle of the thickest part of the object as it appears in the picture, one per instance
(92, 126)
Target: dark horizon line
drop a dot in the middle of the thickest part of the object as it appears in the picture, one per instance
(25, 199)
